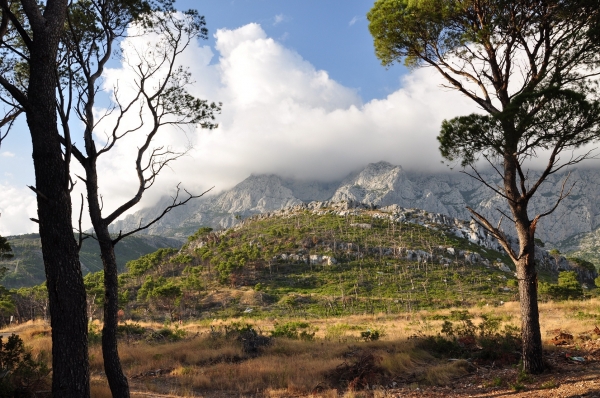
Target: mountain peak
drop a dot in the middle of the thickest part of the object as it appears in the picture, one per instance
(379, 184)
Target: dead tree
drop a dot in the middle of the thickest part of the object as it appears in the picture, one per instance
(160, 99)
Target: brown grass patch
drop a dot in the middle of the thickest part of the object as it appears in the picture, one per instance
(204, 363)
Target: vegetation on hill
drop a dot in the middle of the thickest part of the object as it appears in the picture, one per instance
(301, 279)
(313, 264)
(26, 266)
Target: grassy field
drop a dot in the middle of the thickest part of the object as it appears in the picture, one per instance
(316, 303)
(213, 357)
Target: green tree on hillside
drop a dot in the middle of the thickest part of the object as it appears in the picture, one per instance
(6, 251)
(568, 287)
(162, 293)
(530, 67)
(94, 289)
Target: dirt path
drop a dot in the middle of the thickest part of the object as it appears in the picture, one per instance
(569, 381)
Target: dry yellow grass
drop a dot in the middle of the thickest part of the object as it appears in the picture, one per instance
(193, 366)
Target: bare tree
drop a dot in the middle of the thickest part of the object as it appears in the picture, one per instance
(30, 33)
(160, 99)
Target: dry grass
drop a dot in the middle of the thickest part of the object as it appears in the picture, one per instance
(100, 389)
(201, 363)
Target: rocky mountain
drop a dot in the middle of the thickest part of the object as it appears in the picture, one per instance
(384, 184)
(468, 230)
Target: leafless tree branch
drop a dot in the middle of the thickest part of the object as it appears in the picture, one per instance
(166, 210)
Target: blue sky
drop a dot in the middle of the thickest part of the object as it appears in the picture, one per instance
(303, 96)
(332, 35)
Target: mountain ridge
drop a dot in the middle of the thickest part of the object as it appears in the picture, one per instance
(385, 184)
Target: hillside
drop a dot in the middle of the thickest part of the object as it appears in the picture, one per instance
(26, 268)
(326, 259)
(384, 184)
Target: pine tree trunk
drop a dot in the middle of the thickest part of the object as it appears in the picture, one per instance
(530, 317)
(112, 364)
(117, 380)
(526, 273)
(66, 292)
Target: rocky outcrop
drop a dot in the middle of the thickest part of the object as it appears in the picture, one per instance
(469, 230)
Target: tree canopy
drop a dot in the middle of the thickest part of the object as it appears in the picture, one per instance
(5, 249)
(532, 68)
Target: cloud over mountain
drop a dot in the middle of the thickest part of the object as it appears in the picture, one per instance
(283, 115)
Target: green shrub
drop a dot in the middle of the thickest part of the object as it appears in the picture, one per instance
(491, 344)
(568, 287)
(489, 325)
(94, 334)
(20, 374)
(145, 263)
(203, 231)
(181, 259)
(291, 330)
(372, 334)
(130, 329)
(251, 340)
(167, 334)
(582, 263)
(465, 326)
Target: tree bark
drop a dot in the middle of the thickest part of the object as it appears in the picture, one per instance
(66, 292)
(530, 318)
(112, 363)
(117, 380)
(532, 355)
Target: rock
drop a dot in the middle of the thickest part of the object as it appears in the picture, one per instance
(315, 259)
(503, 267)
(361, 225)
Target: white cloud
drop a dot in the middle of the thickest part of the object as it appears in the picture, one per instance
(279, 18)
(354, 20)
(280, 115)
(7, 154)
(16, 206)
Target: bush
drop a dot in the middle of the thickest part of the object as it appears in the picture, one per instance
(491, 345)
(372, 334)
(251, 340)
(145, 263)
(582, 263)
(568, 287)
(291, 330)
(130, 329)
(94, 334)
(167, 334)
(203, 231)
(464, 328)
(20, 374)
